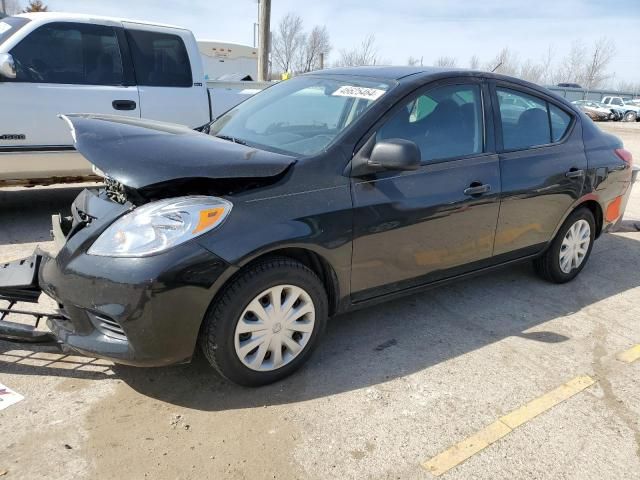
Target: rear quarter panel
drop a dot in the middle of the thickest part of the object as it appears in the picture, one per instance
(608, 176)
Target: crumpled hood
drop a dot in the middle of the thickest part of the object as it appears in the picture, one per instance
(139, 153)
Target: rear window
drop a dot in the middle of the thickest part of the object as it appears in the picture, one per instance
(159, 59)
(10, 25)
(560, 121)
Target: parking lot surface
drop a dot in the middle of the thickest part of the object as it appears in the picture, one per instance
(499, 376)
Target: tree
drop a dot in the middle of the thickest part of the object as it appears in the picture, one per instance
(36, 6)
(365, 54)
(287, 42)
(414, 62)
(474, 63)
(445, 61)
(547, 66)
(572, 65)
(629, 87)
(595, 70)
(506, 62)
(314, 46)
(531, 72)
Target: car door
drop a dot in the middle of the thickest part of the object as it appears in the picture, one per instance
(169, 76)
(61, 67)
(414, 227)
(542, 167)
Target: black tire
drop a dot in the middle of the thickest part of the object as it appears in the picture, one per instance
(218, 330)
(548, 264)
(630, 116)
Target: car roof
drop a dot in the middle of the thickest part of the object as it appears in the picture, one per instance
(402, 72)
(70, 17)
(425, 74)
(387, 72)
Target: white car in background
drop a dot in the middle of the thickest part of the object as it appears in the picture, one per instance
(57, 63)
(630, 110)
(597, 111)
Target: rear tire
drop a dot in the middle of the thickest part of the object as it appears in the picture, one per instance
(570, 249)
(248, 335)
(630, 117)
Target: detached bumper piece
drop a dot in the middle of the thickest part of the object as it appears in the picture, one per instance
(19, 283)
(19, 280)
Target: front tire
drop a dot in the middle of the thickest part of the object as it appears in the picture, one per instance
(570, 249)
(264, 325)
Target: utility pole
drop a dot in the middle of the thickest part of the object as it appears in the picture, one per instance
(4, 7)
(264, 28)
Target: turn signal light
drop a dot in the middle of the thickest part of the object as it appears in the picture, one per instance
(208, 218)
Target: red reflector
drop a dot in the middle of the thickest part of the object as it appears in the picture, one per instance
(613, 210)
(625, 155)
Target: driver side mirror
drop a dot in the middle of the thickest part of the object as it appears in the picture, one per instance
(7, 66)
(393, 154)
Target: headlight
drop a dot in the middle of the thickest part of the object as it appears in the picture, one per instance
(160, 225)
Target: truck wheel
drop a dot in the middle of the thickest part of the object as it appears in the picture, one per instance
(265, 323)
(630, 117)
(570, 249)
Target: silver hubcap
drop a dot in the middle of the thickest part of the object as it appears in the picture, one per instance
(575, 246)
(274, 328)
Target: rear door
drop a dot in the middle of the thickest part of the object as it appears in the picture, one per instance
(542, 167)
(169, 74)
(415, 227)
(61, 67)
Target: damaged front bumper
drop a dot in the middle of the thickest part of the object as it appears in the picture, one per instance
(137, 311)
(19, 283)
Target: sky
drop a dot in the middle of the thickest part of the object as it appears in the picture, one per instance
(424, 29)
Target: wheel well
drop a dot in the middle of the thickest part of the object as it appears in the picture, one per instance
(596, 210)
(317, 264)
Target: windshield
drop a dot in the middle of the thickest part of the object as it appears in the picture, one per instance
(10, 25)
(301, 116)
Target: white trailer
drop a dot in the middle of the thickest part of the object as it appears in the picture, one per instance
(228, 61)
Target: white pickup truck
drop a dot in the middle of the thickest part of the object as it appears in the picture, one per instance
(56, 63)
(630, 111)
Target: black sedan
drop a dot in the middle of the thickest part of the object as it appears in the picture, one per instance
(328, 192)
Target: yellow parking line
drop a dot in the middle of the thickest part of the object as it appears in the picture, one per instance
(546, 401)
(630, 355)
(477, 442)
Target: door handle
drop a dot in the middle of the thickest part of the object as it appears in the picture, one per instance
(574, 173)
(477, 188)
(124, 104)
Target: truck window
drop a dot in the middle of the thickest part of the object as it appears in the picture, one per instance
(617, 101)
(159, 59)
(10, 25)
(71, 53)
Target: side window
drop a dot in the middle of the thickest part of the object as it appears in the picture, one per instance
(560, 121)
(445, 122)
(159, 59)
(617, 101)
(71, 53)
(525, 122)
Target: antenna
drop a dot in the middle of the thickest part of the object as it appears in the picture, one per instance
(496, 67)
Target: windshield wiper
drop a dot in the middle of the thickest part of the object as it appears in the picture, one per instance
(232, 139)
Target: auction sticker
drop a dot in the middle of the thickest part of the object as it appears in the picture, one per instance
(358, 92)
(4, 27)
(8, 397)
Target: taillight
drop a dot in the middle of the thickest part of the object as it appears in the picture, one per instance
(625, 155)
